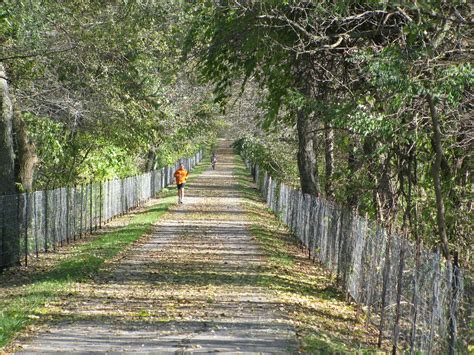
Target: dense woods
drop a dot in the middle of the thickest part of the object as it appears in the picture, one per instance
(95, 90)
(366, 103)
(375, 99)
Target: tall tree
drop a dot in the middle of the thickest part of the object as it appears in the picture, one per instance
(7, 157)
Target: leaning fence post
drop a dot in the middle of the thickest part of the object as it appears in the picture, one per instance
(122, 196)
(96, 223)
(74, 212)
(46, 220)
(61, 208)
(434, 299)
(3, 227)
(415, 296)
(81, 224)
(16, 258)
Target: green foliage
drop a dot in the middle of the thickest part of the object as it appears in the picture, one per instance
(270, 154)
(368, 82)
(242, 49)
(106, 84)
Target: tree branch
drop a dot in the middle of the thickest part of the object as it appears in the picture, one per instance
(38, 54)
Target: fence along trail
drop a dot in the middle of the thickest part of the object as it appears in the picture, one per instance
(374, 267)
(39, 221)
(190, 286)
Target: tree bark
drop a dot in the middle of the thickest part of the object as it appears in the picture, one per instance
(9, 230)
(329, 160)
(305, 124)
(441, 221)
(7, 156)
(354, 164)
(436, 174)
(150, 159)
(307, 162)
(351, 197)
(387, 199)
(26, 151)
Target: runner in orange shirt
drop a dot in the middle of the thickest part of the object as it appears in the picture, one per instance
(181, 175)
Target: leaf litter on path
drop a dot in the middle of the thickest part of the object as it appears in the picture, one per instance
(205, 279)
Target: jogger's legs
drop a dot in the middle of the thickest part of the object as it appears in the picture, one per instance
(180, 194)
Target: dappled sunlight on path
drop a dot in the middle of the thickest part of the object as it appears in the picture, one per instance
(193, 285)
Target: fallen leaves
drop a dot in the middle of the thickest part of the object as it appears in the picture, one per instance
(202, 270)
(307, 292)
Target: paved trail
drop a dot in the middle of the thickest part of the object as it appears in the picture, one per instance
(192, 286)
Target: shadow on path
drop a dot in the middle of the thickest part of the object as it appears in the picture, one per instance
(197, 284)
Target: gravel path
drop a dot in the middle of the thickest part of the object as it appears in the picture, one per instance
(192, 286)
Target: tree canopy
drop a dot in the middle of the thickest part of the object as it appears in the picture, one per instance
(101, 87)
(367, 103)
(379, 94)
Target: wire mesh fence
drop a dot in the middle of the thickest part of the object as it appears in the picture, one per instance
(412, 298)
(31, 223)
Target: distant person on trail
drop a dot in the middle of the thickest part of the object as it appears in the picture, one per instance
(181, 175)
(213, 161)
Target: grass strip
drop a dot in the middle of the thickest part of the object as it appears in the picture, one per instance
(23, 304)
(324, 322)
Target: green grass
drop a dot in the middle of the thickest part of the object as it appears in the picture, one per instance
(25, 306)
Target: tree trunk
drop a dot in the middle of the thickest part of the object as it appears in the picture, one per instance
(150, 159)
(436, 173)
(26, 152)
(351, 196)
(441, 221)
(305, 124)
(372, 169)
(307, 163)
(7, 157)
(9, 231)
(329, 159)
(387, 199)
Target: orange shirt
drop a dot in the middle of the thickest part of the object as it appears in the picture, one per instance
(181, 175)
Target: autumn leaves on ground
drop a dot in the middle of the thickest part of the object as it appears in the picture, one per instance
(218, 273)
